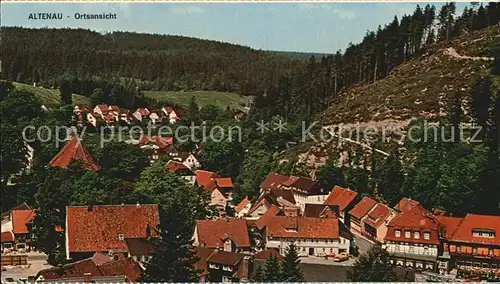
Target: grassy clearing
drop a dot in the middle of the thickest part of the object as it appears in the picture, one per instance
(50, 97)
(220, 99)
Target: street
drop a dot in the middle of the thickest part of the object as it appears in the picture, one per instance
(36, 262)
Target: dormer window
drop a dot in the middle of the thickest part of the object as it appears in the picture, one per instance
(407, 234)
(427, 236)
(121, 237)
(397, 233)
(416, 235)
(293, 230)
(483, 233)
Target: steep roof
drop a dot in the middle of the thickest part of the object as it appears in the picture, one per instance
(93, 266)
(268, 253)
(98, 229)
(377, 215)
(472, 222)
(341, 196)
(303, 227)
(203, 254)
(264, 219)
(205, 179)
(414, 219)
(139, 246)
(362, 208)
(225, 258)
(19, 220)
(74, 150)
(273, 180)
(160, 142)
(211, 233)
(241, 205)
(283, 193)
(450, 224)
(302, 183)
(406, 204)
(321, 210)
(223, 182)
(178, 167)
(7, 237)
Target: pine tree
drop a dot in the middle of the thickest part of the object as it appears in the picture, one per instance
(65, 91)
(372, 266)
(290, 269)
(258, 275)
(272, 270)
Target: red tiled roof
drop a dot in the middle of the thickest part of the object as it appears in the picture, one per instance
(414, 219)
(98, 229)
(478, 222)
(341, 196)
(159, 141)
(205, 179)
(377, 215)
(19, 220)
(203, 254)
(224, 182)
(264, 219)
(283, 193)
(102, 107)
(362, 208)
(406, 204)
(74, 150)
(83, 107)
(126, 267)
(7, 237)
(71, 270)
(175, 166)
(212, 232)
(143, 111)
(225, 258)
(241, 205)
(92, 267)
(268, 253)
(273, 180)
(264, 199)
(321, 210)
(114, 107)
(450, 224)
(303, 227)
(305, 184)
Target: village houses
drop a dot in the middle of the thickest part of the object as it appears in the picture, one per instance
(121, 230)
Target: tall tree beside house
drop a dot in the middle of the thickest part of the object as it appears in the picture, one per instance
(258, 275)
(329, 175)
(180, 205)
(290, 269)
(123, 161)
(13, 151)
(65, 91)
(54, 191)
(272, 270)
(372, 266)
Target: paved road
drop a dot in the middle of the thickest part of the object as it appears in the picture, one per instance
(36, 262)
(362, 243)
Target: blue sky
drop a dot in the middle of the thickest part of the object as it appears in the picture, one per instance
(307, 27)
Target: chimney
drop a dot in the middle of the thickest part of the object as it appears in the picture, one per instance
(148, 230)
(138, 204)
(90, 207)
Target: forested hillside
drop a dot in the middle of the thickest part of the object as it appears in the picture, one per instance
(155, 62)
(376, 56)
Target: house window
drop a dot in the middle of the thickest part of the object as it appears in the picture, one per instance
(397, 233)
(427, 236)
(407, 234)
(416, 235)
